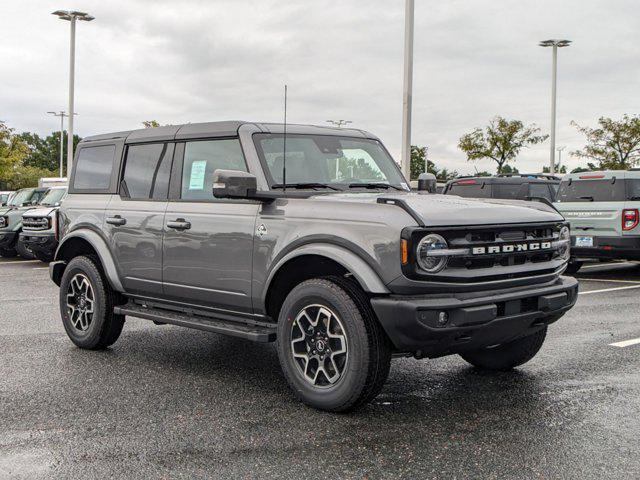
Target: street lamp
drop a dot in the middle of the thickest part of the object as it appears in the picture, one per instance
(71, 16)
(339, 123)
(407, 91)
(555, 44)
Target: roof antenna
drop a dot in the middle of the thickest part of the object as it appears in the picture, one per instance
(284, 147)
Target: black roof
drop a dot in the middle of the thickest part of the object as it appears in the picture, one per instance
(511, 179)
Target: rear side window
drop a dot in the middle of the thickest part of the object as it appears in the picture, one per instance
(93, 167)
(604, 190)
(472, 190)
(146, 171)
(201, 159)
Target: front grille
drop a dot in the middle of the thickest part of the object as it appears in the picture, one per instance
(494, 263)
(35, 223)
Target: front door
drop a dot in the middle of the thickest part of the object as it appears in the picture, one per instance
(208, 242)
(134, 220)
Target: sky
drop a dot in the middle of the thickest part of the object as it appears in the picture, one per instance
(207, 60)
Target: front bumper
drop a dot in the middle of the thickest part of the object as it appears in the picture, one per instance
(626, 247)
(45, 243)
(475, 320)
(8, 240)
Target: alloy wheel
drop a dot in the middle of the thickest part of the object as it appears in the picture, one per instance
(80, 302)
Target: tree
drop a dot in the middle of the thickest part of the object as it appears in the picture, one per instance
(558, 169)
(418, 159)
(501, 141)
(151, 124)
(44, 153)
(580, 170)
(12, 153)
(614, 144)
(509, 170)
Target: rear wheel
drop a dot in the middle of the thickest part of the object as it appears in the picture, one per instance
(332, 350)
(86, 305)
(8, 253)
(508, 355)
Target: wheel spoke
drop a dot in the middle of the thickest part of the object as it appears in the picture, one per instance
(80, 302)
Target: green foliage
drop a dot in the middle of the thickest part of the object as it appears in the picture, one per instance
(418, 159)
(44, 153)
(501, 141)
(150, 124)
(580, 170)
(357, 168)
(559, 169)
(14, 172)
(27, 176)
(614, 144)
(509, 170)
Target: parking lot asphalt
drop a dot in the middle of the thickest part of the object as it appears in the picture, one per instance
(166, 402)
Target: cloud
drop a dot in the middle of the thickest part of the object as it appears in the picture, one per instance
(196, 60)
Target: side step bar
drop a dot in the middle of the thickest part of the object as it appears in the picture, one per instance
(256, 333)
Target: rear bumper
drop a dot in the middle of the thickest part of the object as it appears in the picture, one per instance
(8, 239)
(475, 320)
(45, 243)
(627, 247)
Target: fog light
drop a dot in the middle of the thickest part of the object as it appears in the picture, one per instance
(443, 318)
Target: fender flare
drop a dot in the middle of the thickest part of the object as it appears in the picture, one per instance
(361, 270)
(101, 248)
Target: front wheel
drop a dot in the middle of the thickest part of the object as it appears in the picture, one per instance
(508, 355)
(86, 305)
(332, 350)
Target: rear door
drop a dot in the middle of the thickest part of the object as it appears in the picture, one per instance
(593, 204)
(208, 242)
(134, 220)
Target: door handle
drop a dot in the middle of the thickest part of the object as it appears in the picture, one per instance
(116, 220)
(179, 224)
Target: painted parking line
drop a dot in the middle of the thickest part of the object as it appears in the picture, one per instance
(607, 280)
(12, 262)
(609, 289)
(604, 265)
(626, 343)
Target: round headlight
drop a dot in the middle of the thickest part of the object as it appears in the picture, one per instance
(429, 253)
(565, 242)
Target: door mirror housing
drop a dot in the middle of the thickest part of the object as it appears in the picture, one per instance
(427, 183)
(234, 184)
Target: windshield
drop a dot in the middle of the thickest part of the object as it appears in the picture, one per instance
(322, 161)
(21, 197)
(604, 190)
(53, 197)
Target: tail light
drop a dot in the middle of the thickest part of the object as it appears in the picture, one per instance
(630, 218)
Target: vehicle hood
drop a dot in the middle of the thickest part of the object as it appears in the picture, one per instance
(40, 212)
(451, 210)
(11, 211)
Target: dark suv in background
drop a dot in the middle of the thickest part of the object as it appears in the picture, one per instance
(11, 221)
(510, 187)
(319, 246)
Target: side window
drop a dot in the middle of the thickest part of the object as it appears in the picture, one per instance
(201, 159)
(93, 167)
(146, 171)
(540, 190)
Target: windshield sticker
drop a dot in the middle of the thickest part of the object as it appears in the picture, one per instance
(198, 169)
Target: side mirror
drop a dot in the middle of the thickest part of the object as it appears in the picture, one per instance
(427, 183)
(234, 184)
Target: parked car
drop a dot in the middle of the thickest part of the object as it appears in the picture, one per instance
(11, 221)
(40, 227)
(4, 198)
(201, 225)
(602, 208)
(512, 187)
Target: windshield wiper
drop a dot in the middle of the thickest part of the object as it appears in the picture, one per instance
(587, 197)
(385, 186)
(301, 186)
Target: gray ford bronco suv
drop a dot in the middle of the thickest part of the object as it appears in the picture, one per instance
(309, 237)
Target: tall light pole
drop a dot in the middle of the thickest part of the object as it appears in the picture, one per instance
(560, 149)
(61, 114)
(555, 44)
(407, 91)
(71, 16)
(339, 123)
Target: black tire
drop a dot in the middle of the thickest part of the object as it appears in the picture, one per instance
(573, 266)
(8, 253)
(103, 326)
(23, 251)
(368, 357)
(43, 257)
(509, 355)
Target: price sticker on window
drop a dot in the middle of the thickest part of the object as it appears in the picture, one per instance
(198, 169)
